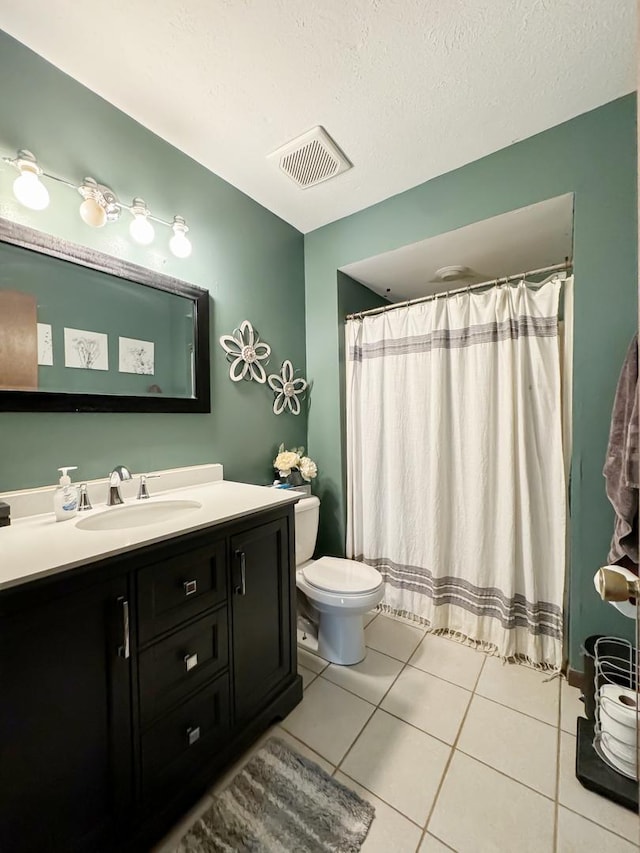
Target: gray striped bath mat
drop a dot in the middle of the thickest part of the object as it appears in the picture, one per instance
(281, 802)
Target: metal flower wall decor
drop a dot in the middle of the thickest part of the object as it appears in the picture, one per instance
(286, 389)
(245, 351)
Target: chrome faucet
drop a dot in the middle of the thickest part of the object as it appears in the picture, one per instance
(119, 473)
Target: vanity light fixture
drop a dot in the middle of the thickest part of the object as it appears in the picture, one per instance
(27, 187)
(99, 206)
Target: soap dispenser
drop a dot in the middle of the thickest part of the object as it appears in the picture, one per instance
(65, 497)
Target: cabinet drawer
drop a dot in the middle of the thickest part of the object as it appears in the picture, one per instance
(174, 590)
(185, 739)
(181, 663)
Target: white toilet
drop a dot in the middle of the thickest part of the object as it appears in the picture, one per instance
(342, 591)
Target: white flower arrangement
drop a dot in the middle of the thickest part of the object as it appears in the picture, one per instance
(308, 468)
(294, 460)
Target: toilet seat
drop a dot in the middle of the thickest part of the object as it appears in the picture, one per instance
(345, 577)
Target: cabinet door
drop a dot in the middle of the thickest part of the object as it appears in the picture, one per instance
(65, 771)
(261, 614)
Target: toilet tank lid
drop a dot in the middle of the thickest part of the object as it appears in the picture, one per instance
(307, 503)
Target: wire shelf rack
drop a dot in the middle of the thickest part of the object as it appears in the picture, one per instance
(617, 712)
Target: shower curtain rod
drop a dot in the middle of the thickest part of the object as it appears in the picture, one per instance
(567, 265)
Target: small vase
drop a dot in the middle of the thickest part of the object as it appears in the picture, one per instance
(293, 478)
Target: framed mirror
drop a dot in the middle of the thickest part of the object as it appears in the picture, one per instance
(81, 331)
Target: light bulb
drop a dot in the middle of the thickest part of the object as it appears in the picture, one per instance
(30, 191)
(180, 244)
(141, 229)
(93, 213)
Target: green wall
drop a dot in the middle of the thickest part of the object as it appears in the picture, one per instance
(593, 156)
(250, 261)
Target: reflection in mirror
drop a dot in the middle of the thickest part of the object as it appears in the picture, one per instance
(80, 330)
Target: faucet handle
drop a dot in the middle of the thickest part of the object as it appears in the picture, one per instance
(143, 492)
(84, 503)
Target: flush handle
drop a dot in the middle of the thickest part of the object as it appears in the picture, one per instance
(241, 588)
(190, 587)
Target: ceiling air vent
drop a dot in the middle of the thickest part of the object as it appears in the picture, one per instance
(311, 158)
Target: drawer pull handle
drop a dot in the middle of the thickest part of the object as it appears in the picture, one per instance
(190, 587)
(193, 735)
(124, 650)
(241, 588)
(191, 661)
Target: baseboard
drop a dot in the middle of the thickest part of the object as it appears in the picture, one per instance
(575, 677)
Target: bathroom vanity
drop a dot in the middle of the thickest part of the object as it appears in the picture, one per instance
(136, 664)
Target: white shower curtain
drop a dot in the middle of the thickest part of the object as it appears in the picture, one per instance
(456, 488)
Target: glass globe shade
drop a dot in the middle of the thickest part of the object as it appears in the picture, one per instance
(30, 191)
(180, 245)
(92, 213)
(141, 229)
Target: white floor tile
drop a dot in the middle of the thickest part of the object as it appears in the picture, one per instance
(307, 676)
(448, 659)
(400, 764)
(570, 707)
(371, 678)
(393, 637)
(430, 844)
(328, 719)
(513, 743)
(170, 841)
(479, 809)
(369, 617)
(577, 835)
(433, 705)
(596, 808)
(313, 662)
(389, 830)
(522, 688)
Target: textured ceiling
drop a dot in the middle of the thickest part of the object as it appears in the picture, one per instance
(409, 89)
(525, 239)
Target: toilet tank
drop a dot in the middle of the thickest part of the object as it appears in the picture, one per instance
(307, 517)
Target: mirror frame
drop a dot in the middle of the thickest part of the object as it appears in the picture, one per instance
(62, 401)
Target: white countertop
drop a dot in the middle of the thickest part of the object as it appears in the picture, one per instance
(38, 545)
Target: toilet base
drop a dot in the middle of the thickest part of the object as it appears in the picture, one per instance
(341, 638)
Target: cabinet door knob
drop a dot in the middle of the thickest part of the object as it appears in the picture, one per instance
(241, 588)
(190, 587)
(193, 734)
(190, 661)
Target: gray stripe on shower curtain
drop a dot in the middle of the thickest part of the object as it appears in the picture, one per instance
(513, 328)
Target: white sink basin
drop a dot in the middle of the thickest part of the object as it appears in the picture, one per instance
(137, 515)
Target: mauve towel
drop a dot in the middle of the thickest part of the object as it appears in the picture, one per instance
(621, 469)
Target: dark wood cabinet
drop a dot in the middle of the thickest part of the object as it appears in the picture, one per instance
(128, 685)
(261, 599)
(65, 721)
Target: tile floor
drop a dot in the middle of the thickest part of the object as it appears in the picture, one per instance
(456, 750)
